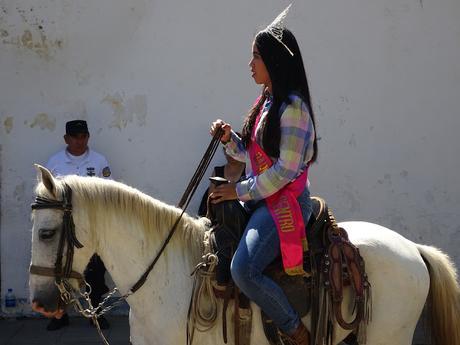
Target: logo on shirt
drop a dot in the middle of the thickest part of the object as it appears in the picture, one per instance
(106, 172)
(90, 171)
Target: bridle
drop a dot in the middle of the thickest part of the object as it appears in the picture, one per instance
(67, 241)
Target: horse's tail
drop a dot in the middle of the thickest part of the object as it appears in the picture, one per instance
(443, 303)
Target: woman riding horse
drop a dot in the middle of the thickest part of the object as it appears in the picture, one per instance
(278, 144)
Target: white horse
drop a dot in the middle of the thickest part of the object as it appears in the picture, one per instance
(126, 228)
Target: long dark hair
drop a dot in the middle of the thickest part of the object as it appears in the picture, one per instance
(287, 75)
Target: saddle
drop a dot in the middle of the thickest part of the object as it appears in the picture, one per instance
(331, 263)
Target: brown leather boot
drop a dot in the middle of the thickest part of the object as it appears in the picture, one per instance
(301, 335)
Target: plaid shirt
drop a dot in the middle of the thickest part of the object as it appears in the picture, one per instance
(296, 150)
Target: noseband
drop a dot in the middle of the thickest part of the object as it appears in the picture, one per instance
(67, 240)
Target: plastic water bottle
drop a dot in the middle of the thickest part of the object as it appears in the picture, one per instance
(10, 302)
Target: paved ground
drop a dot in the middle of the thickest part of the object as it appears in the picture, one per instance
(31, 331)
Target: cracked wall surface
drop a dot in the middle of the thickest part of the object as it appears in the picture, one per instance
(149, 79)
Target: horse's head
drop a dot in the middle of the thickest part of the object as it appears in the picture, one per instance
(60, 241)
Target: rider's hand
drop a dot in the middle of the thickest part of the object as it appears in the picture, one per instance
(226, 128)
(223, 192)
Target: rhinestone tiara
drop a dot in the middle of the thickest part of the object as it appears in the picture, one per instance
(276, 27)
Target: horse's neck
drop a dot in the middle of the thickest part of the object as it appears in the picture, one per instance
(127, 249)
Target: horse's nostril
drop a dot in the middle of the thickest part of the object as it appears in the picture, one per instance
(36, 304)
(46, 301)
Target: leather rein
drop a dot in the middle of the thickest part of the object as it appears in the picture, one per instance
(69, 241)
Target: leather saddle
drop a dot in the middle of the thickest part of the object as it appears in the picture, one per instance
(327, 266)
(331, 262)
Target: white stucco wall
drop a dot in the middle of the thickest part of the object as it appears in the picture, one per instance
(150, 76)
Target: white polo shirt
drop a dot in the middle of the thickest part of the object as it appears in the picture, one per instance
(90, 163)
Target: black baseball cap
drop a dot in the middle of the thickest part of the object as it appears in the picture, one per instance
(76, 127)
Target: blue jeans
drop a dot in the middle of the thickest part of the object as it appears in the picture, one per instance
(258, 247)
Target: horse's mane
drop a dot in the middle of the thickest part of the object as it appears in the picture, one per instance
(102, 197)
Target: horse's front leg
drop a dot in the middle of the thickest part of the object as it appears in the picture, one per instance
(137, 331)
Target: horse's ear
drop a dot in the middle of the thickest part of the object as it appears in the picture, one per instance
(45, 176)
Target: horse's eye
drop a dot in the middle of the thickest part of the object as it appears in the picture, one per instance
(46, 234)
